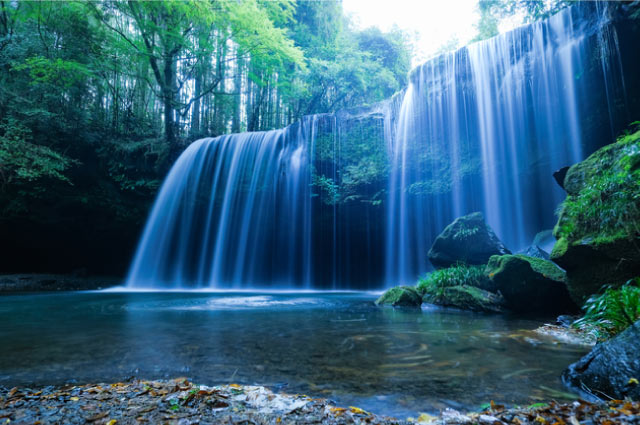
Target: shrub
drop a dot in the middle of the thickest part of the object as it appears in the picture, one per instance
(611, 312)
(460, 274)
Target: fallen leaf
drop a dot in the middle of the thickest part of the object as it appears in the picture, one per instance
(358, 411)
(97, 416)
(426, 418)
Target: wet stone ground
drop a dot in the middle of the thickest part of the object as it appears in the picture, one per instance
(181, 402)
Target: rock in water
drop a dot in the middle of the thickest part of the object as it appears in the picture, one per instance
(400, 296)
(530, 284)
(466, 298)
(611, 369)
(467, 240)
(598, 229)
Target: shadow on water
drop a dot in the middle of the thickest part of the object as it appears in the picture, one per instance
(334, 345)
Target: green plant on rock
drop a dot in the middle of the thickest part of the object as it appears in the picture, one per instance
(606, 206)
(460, 274)
(611, 312)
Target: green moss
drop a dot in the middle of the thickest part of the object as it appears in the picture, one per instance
(604, 195)
(544, 267)
(560, 248)
(460, 274)
(500, 263)
(400, 296)
(467, 298)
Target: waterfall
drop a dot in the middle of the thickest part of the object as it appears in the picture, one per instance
(355, 199)
(235, 209)
(484, 128)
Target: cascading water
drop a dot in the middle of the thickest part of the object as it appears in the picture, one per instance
(483, 129)
(355, 199)
(232, 209)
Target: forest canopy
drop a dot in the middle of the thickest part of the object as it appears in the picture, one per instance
(127, 75)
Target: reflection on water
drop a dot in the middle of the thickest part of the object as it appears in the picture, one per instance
(333, 345)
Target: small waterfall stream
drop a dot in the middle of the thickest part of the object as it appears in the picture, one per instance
(355, 199)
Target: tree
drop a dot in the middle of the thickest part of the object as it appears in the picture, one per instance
(178, 39)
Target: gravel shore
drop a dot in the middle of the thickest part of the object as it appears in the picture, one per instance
(182, 402)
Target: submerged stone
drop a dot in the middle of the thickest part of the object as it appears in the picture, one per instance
(598, 228)
(466, 298)
(467, 240)
(530, 284)
(400, 296)
(611, 369)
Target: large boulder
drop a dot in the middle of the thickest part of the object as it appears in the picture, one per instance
(466, 297)
(611, 369)
(598, 229)
(400, 296)
(467, 240)
(530, 284)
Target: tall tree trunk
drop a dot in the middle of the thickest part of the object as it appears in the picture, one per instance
(168, 94)
(195, 113)
(236, 125)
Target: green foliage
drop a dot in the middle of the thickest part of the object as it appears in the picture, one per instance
(611, 312)
(329, 191)
(22, 160)
(607, 206)
(64, 73)
(352, 165)
(494, 12)
(458, 275)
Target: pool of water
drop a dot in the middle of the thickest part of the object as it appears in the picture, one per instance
(334, 345)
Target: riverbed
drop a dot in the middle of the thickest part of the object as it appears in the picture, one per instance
(333, 345)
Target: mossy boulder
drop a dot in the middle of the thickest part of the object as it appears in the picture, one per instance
(400, 296)
(598, 229)
(466, 297)
(530, 284)
(468, 240)
(611, 369)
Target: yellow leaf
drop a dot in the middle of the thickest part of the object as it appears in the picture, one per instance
(358, 411)
(633, 381)
(426, 418)
(112, 422)
(74, 399)
(235, 386)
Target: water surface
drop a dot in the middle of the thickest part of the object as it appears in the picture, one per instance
(335, 345)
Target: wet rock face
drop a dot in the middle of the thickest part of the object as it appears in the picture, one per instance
(467, 240)
(400, 296)
(530, 284)
(536, 252)
(611, 369)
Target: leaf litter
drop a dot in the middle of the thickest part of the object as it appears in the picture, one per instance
(182, 402)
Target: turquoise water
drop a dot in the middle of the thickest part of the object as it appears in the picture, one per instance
(334, 345)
